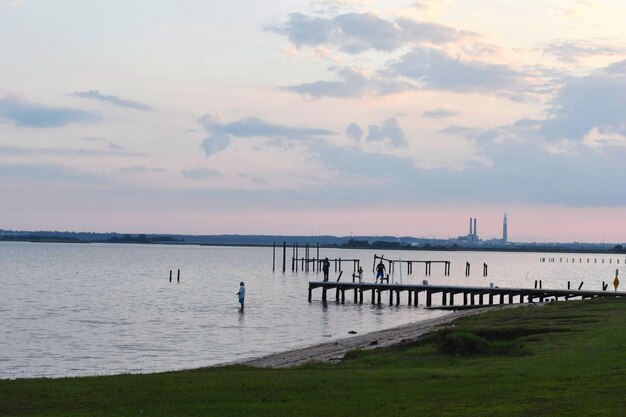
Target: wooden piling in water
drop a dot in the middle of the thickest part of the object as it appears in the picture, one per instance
(284, 256)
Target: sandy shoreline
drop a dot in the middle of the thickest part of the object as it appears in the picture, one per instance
(334, 351)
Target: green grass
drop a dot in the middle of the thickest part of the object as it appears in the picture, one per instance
(564, 359)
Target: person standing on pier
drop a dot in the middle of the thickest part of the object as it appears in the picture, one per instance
(380, 271)
(241, 294)
(326, 268)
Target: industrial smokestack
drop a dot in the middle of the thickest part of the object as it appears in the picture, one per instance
(504, 229)
(475, 230)
(470, 233)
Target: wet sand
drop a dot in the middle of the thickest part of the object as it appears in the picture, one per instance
(334, 351)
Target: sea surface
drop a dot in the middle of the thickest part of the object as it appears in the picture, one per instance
(100, 309)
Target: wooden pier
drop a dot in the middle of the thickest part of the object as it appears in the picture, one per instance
(482, 296)
(409, 265)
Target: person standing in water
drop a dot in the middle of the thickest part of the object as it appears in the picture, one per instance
(241, 294)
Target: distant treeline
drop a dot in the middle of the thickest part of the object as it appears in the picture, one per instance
(364, 242)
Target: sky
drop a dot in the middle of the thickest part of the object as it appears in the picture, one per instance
(315, 117)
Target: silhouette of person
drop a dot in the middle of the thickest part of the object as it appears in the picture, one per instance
(326, 268)
(380, 271)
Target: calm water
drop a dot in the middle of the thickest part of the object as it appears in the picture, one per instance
(93, 309)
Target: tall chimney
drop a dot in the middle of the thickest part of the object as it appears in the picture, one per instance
(504, 230)
(470, 233)
(475, 230)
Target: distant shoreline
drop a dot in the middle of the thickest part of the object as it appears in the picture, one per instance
(332, 246)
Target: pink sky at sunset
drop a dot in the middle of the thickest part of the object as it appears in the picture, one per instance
(327, 117)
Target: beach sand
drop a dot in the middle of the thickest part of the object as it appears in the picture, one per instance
(334, 351)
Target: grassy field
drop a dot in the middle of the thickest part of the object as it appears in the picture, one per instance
(563, 359)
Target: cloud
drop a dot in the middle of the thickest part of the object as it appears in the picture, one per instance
(354, 33)
(352, 83)
(255, 127)
(354, 131)
(585, 103)
(215, 143)
(25, 151)
(433, 69)
(249, 127)
(387, 131)
(109, 144)
(138, 169)
(440, 113)
(26, 114)
(96, 95)
(47, 172)
(426, 68)
(575, 50)
(200, 173)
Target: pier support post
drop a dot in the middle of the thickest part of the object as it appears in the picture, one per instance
(284, 256)
(373, 296)
(429, 300)
(324, 295)
(410, 293)
(170, 275)
(361, 296)
(415, 298)
(274, 257)
(464, 298)
(444, 298)
(178, 276)
(390, 297)
(310, 294)
(490, 298)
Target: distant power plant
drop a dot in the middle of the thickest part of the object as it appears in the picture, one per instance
(472, 237)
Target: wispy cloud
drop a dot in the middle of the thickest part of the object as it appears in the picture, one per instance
(250, 127)
(575, 50)
(354, 33)
(26, 151)
(440, 113)
(48, 172)
(433, 69)
(200, 173)
(96, 95)
(27, 114)
(353, 83)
